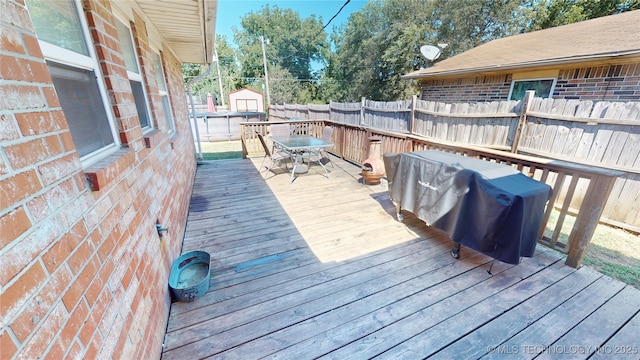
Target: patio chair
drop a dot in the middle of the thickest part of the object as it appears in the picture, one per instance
(322, 156)
(276, 156)
(280, 130)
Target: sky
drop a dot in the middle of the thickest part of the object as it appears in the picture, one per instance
(230, 11)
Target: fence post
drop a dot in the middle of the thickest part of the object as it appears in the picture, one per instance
(330, 116)
(528, 97)
(414, 100)
(362, 111)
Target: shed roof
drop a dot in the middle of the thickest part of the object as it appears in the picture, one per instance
(598, 39)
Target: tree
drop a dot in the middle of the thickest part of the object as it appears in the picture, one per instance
(381, 42)
(229, 70)
(551, 13)
(293, 45)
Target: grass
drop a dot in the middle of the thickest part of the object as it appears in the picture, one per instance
(613, 252)
(221, 150)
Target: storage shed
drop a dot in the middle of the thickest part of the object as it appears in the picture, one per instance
(246, 100)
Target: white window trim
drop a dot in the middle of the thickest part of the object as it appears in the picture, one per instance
(72, 58)
(553, 85)
(137, 76)
(172, 129)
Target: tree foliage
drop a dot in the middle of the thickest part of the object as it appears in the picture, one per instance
(378, 44)
(292, 44)
(229, 69)
(551, 13)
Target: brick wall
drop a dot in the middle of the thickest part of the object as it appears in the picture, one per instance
(607, 82)
(597, 83)
(84, 273)
(473, 89)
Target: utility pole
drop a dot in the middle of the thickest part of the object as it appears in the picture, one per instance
(266, 74)
(217, 60)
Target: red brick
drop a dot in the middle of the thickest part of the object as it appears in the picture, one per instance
(19, 187)
(43, 336)
(128, 274)
(8, 130)
(93, 349)
(38, 208)
(99, 283)
(13, 224)
(33, 152)
(19, 293)
(123, 338)
(73, 325)
(67, 141)
(11, 41)
(107, 247)
(20, 69)
(32, 45)
(3, 166)
(55, 170)
(7, 347)
(95, 317)
(35, 311)
(17, 15)
(56, 351)
(37, 123)
(59, 252)
(76, 352)
(80, 257)
(80, 285)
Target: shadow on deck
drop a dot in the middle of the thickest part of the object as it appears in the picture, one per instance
(320, 267)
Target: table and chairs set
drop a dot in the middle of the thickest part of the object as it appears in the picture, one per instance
(301, 150)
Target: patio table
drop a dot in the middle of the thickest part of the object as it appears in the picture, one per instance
(299, 145)
(489, 207)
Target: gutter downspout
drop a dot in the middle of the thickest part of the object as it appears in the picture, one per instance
(199, 156)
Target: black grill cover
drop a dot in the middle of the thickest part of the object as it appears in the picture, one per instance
(489, 207)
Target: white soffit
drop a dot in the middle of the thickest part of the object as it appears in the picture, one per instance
(186, 26)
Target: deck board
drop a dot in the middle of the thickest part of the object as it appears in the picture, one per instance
(321, 268)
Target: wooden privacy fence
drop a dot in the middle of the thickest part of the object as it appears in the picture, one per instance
(565, 229)
(603, 134)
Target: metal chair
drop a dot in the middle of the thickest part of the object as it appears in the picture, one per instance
(322, 155)
(276, 156)
(280, 130)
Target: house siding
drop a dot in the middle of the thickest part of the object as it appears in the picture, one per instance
(597, 83)
(84, 272)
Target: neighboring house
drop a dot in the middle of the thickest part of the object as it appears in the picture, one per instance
(95, 150)
(246, 100)
(596, 60)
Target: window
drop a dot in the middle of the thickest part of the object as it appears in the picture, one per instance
(542, 87)
(133, 72)
(62, 33)
(164, 95)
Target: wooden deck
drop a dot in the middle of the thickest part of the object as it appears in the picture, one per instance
(321, 268)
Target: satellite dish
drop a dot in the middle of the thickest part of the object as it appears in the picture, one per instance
(430, 52)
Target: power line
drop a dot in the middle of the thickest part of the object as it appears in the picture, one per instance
(334, 16)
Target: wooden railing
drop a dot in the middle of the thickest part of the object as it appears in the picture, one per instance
(352, 143)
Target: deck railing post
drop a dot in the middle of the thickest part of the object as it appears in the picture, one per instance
(588, 217)
(362, 105)
(414, 100)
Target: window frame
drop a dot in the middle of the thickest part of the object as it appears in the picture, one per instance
(168, 113)
(137, 77)
(551, 90)
(57, 54)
